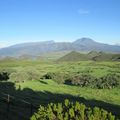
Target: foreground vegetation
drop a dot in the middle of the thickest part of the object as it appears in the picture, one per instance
(71, 111)
(85, 73)
(40, 83)
(46, 91)
(107, 95)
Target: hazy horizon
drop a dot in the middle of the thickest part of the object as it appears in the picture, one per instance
(24, 42)
(61, 20)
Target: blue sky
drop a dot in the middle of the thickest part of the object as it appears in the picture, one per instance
(59, 20)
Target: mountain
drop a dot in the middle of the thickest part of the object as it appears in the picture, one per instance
(39, 48)
(35, 48)
(87, 44)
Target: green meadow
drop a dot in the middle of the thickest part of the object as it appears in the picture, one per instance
(40, 90)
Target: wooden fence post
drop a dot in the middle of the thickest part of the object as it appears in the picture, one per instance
(8, 105)
(31, 109)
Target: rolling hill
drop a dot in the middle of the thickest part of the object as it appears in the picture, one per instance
(93, 55)
(73, 56)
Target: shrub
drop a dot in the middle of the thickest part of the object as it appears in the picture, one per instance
(4, 73)
(82, 80)
(71, 111)
(19, 76)
(85, 80)
(57, 77)
(4, 76)
(109, 81)
(49, 75)
(33, 73)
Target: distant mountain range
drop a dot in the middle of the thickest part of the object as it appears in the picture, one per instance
(38, 48)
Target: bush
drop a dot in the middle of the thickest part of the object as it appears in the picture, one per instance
(57, 77)
(4, 73)
(49, 75)
(19, 76)
(85, 80)
(33, 73)
(4, 76)
(60, 78)
(109, 81)
(71, 111)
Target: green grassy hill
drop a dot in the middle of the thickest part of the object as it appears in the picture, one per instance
(116, 57)
(74, 56)
(93, 55)
(102, 56)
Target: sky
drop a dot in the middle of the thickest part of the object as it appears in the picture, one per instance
(59, 20)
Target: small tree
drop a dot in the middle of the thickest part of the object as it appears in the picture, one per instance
(70, 111)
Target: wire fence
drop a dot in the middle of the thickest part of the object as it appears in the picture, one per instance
(12, 108)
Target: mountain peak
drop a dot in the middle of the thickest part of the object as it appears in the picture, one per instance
(84, 40)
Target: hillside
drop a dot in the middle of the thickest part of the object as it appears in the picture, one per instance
(93, 55)
(39, 48)
(73, 56)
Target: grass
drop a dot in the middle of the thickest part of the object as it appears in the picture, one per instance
(97, 69)
(110, 96)
(45, 91)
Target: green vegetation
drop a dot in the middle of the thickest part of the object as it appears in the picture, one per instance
(93, 83)
(73, 56)
(85, 80)
(107, 95)
(71, 111)
(93, 55)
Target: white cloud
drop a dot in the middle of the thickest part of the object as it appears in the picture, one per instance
(118, 43)
(2, 46)
(83, 12)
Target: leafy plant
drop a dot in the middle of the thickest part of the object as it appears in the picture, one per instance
(71, 111)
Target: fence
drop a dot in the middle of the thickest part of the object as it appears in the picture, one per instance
(12, 108)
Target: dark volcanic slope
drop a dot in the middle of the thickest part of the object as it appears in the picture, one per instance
(38, 48)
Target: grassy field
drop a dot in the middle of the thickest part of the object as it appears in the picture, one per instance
(95, 68)
(110, 96)
(44, 91)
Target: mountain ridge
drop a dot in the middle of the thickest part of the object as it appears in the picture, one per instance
(38, 48)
